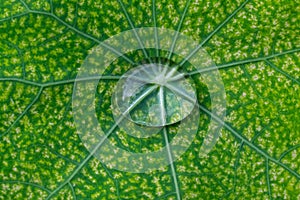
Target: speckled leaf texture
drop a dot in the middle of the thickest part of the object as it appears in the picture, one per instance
(256, 47)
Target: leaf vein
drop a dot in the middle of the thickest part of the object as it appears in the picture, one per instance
(178, 29)
(282, 72)
(213, 33)
(134, 30)
(248, 143)
(24, 112)
(241, 62)
(26, 183)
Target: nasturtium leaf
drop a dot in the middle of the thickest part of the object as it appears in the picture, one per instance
(255, 45)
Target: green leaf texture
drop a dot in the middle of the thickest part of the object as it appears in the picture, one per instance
(256, 47)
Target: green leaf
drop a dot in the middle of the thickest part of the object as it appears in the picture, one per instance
(256, 47)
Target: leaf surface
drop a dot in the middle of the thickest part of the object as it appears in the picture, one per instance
(256, 47)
